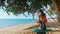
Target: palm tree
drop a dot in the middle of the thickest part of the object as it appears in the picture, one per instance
(56, 6)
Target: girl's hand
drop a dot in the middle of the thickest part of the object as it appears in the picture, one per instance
(37, 22)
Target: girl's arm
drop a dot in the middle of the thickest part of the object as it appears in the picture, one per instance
(47, 22)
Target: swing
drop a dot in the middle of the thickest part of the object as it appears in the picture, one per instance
(37, 30)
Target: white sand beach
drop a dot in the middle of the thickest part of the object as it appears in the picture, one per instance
(19, 29)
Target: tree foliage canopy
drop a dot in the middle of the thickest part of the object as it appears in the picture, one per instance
(22, 6)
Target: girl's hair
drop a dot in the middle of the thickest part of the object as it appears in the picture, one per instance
(43, 14)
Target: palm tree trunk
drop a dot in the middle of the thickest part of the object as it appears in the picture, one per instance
(55, 2)
(32, 15)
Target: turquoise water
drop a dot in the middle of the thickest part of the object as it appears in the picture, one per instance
(12, 22)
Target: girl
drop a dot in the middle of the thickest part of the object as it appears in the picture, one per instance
(42, 21)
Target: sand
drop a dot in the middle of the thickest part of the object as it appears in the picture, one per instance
(20, 29)
(16, 29)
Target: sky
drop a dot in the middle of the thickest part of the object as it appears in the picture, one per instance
(4, 15)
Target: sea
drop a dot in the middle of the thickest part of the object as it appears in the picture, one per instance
(13, 22)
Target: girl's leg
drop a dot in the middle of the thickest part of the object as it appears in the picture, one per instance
(44, 28)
